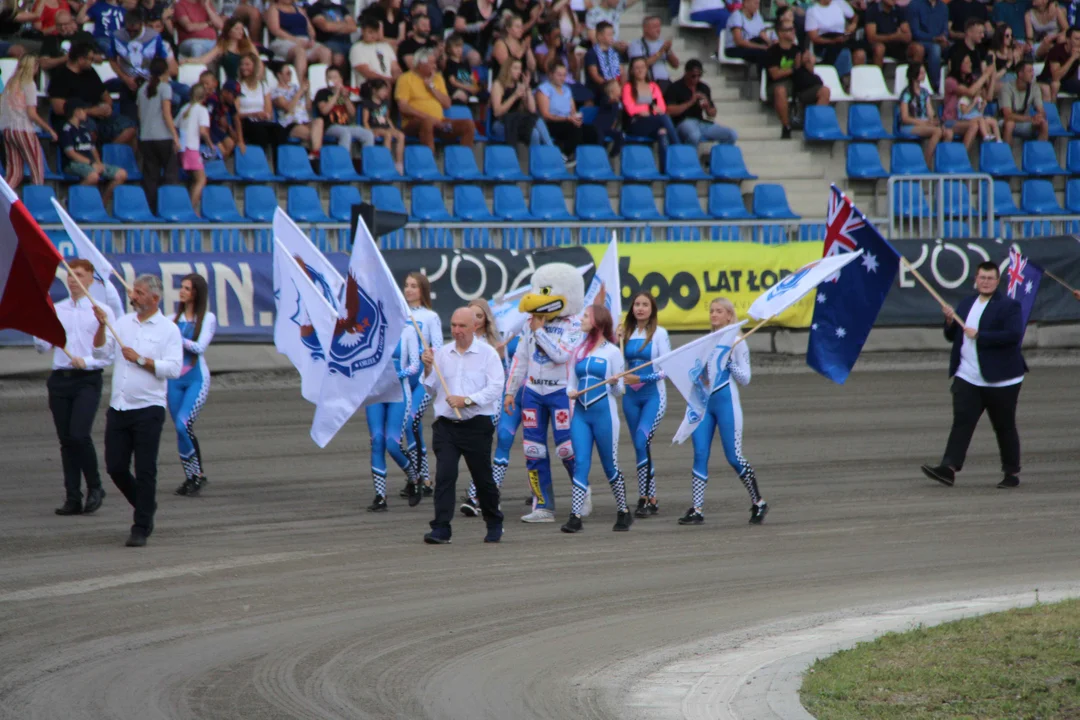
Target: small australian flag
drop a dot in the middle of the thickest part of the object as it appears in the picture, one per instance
(1024, 277)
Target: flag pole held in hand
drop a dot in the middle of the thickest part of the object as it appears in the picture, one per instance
(442, 380)
(91, 299)
(930, 289)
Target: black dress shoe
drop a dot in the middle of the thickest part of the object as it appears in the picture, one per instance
(93, 500)
(136, 540)
(71, 507)
(942, 473)
(436, 537)
(1010, 481)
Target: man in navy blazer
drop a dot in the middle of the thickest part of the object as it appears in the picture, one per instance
(987, 370)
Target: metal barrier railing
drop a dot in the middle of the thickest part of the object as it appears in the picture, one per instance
(934, 206)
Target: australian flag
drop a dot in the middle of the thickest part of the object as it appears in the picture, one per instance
(1024, 277)
(848, 302)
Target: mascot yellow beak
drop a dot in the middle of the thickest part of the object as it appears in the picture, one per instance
(542, 304)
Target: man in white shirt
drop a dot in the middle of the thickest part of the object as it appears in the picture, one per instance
(371, 59)
(152, 352)
(75, 391)
(464, 423)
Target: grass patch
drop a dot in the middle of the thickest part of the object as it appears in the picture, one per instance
(1017, 664)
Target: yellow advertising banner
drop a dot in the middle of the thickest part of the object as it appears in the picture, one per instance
(684, 277)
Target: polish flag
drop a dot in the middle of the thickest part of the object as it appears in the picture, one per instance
(28, 262)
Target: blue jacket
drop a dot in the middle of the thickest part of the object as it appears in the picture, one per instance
(928, 22)
(998, 342)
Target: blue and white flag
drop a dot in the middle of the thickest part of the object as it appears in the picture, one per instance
(691, 368)
(359, 359)
(294, 331)
(103, 291)
(1024, 277)
(849, 302)
(605, 283)
(792, 288)
(320, 317)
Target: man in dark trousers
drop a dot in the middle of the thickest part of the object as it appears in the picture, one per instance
(464, 423)
(987, 370)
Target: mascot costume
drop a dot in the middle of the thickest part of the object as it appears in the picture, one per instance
(555, 302)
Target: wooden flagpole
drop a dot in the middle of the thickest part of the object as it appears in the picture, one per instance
(91, 299)
(442, 380)
(930, 289)
(1058, 280)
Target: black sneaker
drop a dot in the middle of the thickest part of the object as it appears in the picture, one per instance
(428, 491)
(184, 487)
(623, 521)
(758, 513)
(494, 533)
(1009, 481)
(437, 537)
(572, 525)
(195, 486)
(653, 508)
(470, 508)
(692, 517)
(942, 473)
(94, 498)
(378, 504)
(70, 507)
(785, 134)
(642, 510)
(406, 491)
(415, 495)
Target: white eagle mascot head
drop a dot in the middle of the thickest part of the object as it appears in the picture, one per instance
(558, 290)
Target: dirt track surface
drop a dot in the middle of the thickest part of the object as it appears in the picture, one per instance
(274, 595)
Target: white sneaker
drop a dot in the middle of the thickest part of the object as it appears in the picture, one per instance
(586, 510)
(539, 516)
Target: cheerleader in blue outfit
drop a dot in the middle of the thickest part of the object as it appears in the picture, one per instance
(596, 415)
(386, 423)
(724, 413)
(487, 333)
(187, 394)
(417, 293)
(645, 400)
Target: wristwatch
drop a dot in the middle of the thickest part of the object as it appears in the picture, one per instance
(141, 362)
(468, 402)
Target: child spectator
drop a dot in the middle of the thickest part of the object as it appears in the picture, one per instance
(602, 62)
(226, 130)
(194, 120)
(917, 114)
(339, 114)
(292, 105)
(375, 117)
(80, 155)
(457, 73)
(18, 116)
(107, 16)
(158, 140)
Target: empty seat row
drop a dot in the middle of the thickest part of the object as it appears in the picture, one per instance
(864, 123)
(1037, 197)
(1038, 158)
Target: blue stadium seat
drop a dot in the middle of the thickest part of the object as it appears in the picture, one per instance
(217, 172)
(1003, 200)
(85, 205)
(593, 164)
(420, 164)
(546, 164)
(726, 203)
(461, 112)
(770, 201)
(898, 130)
(303, 205)
(683, 164)
(726, 163)
(38, 200)
(957, 199)
(681, 203)
(510, 203)
(591, 202)
(1053, 121)
(388, 197)
(907, 159)
(260, 202)
(951, 158)
(174, 205)
(218, 205)
(428, 205)
(864, 163)
(49, 173)
(1037, 198)
(147, 242)
(342, 198)
(1039, 158)
(335, 163)
(1072, 155)
(638, 164)
(996, 159)
(378, 164)
(546, 202)
(1074, 119)
(636, 202)
(469, 204)
(121, 156)
(501, 164)
(1072, 196)
(130, 205)
(252, 166)
(460, 163)
(293, 164)
(864, 122)
(909, 201)
(226, 241)
(821, 124)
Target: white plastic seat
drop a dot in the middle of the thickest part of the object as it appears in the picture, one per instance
(721, 52)
(316, 75)
(189, 74)
(764, 86)
(900, 83)
(684, 18)
(868, 84)
(831, 80)
(104, 71)
(7, 68)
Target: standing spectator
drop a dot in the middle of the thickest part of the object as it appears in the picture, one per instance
(831, 25)
(194, 121)
(1012, 13)
(46, 11)
(339, 114)
(255, 109)
(930, 28)
(55, 49)
(791, 74)
(714, 12)
(107, 16)
(81, 156)
(1017, 100)
(18, 116)
(611, 12)
(77, 80)
(333, 28)
(391, 22)
(1044, 24)
(375, 117)
(293, 36)
(292, 105)
(1062, 70)
(12, 19)
(159, 142)
(966, 95)
(458, 74)
(474, 22)
(690, 105)
(747, 36)
(134, 47)
(372, 58)
(420, 37)
(645, 106)
(556, 105)
(917, 115)
(421, 98)
(602, 61)
(230, 48)
(959, 13)
(198, 25)
(656, 51)
(889, 33)
(513, 108)
(512, 45)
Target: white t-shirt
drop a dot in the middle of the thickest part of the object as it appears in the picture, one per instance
(197, 117)
(379, 57)
(751, 26)
(969, 369)
(254, 100)
(829, 19)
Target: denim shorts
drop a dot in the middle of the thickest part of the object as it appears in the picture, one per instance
(83, 170)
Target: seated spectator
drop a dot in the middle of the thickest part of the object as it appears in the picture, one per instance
(292, 105)
(421, 97)
(226, 129)
(334, 27)
(76, 80)
(375, 116)
(747, 36)
(917, 115)
(12, 19)
(475, 21)
(962, 10)
(790, 74)
(372, 58)
(419, 37)
(248, 12)
(966, 96)
(197, 25)
(1012, 13)
(513, 108)
(134, 47)
(656, 51)
(107, 16)
(1006, 55)
(81, 157)
(338, 113)
(46, 11)
(391, 21)
(54, 51)
(458, 74)
(714, 12)
(255, 109)
(1021, 106)
(159, 142)
(889, 34)
(194, 122)
(1062, 69)
(602, 63)
(229, 49)
(831, 25)
(929, 21)
(610, 12)
(293, 36)
(1044, 26)
(560, 115)
(512, 45)
(690, 105)
(973, 46)
(553, 50)
(645, 107)
(18, 117)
